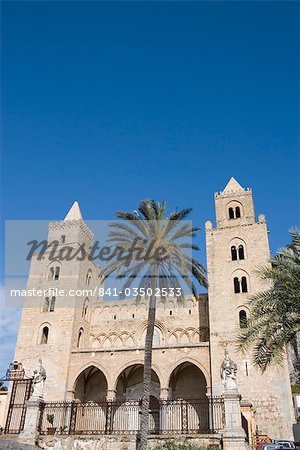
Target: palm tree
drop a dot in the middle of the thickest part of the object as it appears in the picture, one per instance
(275, 313)
(168, 267)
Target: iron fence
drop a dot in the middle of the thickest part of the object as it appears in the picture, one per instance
(122, 417)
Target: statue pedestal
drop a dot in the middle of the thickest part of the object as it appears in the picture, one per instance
(234, 436)
(30, 433)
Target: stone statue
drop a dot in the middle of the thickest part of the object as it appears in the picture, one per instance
(39, 377)
(228, 372)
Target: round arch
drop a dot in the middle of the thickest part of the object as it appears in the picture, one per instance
(82, 369)
(245, 307)
(55, 266)
(233, 205)
(158, 324)
(138, 361)
(239, 272)
(40, 332)
(54, 261)
(91, 385)
(129, 384)
(191, 361)
(233, 201)
(186, 381)
(236, 239)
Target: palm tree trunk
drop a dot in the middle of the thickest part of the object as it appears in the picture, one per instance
(147, 372)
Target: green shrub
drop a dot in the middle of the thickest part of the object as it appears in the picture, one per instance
(50, 418)
(177, 444)
(296, 388)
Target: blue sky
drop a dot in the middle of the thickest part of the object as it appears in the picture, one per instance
(109, 103)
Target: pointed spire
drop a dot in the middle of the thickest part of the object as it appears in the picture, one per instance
(233, 186)
(74, 213)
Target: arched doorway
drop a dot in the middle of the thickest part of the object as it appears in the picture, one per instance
(190, 407)
(129, 391)
(91, 386)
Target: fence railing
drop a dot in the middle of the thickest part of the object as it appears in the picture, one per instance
(122, 417)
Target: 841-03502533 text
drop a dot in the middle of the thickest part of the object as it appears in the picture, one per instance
(141, 292)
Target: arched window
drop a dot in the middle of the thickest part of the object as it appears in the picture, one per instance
(156, 337)
(51, 273)
(45, 335)
(243, 318)
(233, 253)
(88, 277)
(80, 338)
(49, 304)
(46, 304)
(237, 212)
(57, 270)
(236, 284)
(85, 309)
(244, 284)
(52, 304)
(54, 273)
(241, 252)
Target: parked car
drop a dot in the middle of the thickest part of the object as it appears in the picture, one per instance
(285, 444)
(273, 447)
(266, 440)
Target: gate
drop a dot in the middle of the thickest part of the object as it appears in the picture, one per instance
(20, 393)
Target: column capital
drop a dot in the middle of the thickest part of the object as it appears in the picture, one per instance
(164, 393)
(111, 394)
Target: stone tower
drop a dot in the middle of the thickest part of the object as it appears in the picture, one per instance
(235, 248)
(54, 324)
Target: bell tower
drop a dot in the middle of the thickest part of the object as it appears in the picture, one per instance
(57, 323)
(235, 248)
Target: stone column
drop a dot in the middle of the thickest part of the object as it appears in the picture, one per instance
(234, 437)
(111, 395)
(30, 433)
(70, 395)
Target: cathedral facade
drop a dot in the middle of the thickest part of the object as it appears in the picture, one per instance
(93, 350)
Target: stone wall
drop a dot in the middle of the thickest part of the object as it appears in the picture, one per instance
(3, 407)
(118, 443)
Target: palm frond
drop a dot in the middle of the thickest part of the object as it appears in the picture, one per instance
(275, 313)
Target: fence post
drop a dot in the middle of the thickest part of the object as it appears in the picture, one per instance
(108, 417)
(34, 408)
(73, 412)
(211, 413)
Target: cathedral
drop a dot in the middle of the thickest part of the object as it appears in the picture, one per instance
(92, 350)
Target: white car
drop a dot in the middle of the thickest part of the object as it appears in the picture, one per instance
(285, 444)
